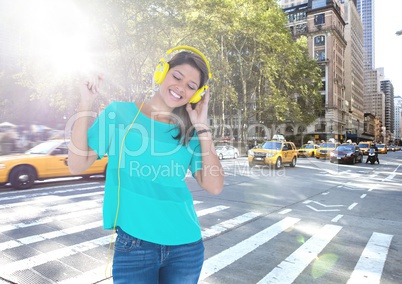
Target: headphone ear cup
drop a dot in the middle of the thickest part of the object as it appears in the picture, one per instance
(198, 95)
(160, 71)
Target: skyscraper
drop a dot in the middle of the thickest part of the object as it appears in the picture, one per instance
(374, 97)
(365, 9)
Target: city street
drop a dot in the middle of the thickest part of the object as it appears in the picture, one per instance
(315, 223)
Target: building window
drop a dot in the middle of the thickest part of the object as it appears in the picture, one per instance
(322, 67)
(319, 40)
(319, 55)
(302, 28)
(319, 19)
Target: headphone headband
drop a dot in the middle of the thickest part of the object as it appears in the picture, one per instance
(163, 67)
(196, 51)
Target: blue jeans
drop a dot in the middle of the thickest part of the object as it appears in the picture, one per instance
(142, 262)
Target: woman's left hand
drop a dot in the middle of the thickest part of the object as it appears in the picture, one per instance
(199, 115)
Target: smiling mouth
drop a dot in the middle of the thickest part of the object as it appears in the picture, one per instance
(177, 96)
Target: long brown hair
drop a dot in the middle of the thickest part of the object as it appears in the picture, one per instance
(185, 126)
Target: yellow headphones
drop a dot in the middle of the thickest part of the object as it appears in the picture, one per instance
(163, 67)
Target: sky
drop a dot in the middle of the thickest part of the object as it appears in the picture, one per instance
(388, 46)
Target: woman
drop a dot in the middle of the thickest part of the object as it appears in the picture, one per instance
(150, 146)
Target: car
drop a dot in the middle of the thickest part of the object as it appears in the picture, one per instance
(365, 146)
(308, 150)
(382, 148)
(46, 160)
(347, 153)
(325, 149)
(227, 151)
(393, 148)
(273, 153)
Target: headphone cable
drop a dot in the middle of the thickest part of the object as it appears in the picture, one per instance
(118, 187)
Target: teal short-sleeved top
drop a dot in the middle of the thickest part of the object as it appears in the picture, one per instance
(149, 177)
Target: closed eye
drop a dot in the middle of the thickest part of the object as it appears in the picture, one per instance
(192, 86)
(177, 76)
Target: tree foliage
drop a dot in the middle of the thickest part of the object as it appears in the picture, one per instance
(259, 72)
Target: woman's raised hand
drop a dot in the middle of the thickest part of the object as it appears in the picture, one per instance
(89, 89)
(199, 115)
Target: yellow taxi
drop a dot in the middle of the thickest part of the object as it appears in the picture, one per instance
(308, 150)
(273, 153)
(325, 149)
(46, 160)
(365, 147)
(382, 148)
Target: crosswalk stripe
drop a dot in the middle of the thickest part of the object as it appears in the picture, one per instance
(211, 210)
(45, 220)
(46, 193)
(36, 238)
(92, 276)
(230, 255)
(49, 198)
(48, 236)
(368, 269)
(289, 269)
(229, 224)
(371, 263)
(27, 263)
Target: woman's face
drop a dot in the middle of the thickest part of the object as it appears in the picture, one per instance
(180, 84)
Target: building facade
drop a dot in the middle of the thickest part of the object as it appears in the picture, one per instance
(354, 73)
(398, 117)
(366, 10)
(388, 89)
(335, 40)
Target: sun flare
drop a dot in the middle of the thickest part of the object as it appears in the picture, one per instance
(58, 36)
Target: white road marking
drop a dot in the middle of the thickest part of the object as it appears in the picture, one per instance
(286, 211)
(371, 263)
(27, 263)
(41, 221)
(211, 210)
(391, 176)
(337, 218)
(49, 199)
(289, 269)
(48, 236)
(47, 193)
(92, 276)
(322, 210)
(229, 224)
(230, 255)
(323, 205)
(352, 206)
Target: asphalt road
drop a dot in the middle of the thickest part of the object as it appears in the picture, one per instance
(315, 223)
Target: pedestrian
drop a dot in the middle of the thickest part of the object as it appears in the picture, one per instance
(151, 144)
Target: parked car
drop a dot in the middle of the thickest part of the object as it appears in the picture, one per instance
(46, 160)
(382, 148)
(308, 150)
(347, 153)
(273, 153)
(365, 146)
(227, 151)
(325, 149)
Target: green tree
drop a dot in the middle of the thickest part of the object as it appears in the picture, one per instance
(259, 72)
